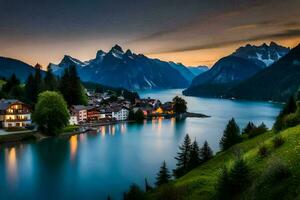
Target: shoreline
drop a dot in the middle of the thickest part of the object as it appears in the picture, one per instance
(16, 137)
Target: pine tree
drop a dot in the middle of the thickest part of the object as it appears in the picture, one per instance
(12, 82)
(205, 152)
(289, 108)
(183, 157)
(222, 186)
(71, 88)
(147, 186)
(231, 135)
(50, 80)
(238, 176)
(39, 79)
(134, 193)
(163, 175)
(31, 90)
(250, 126)
(194, 160)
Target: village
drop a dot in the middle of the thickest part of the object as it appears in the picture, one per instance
(102, 108)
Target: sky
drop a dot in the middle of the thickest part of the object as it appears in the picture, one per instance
(193, 32)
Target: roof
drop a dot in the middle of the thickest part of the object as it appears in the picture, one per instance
(79, 107)
(5, 103)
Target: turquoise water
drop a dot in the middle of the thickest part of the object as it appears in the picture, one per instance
(105, 163)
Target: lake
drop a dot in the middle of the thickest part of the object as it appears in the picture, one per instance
(96, 165)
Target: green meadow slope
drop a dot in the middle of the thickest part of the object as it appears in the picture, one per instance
(200, 182)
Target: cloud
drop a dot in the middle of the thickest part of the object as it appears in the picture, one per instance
(279, 35)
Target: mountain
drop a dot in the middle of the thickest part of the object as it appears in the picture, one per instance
(263, 55)
(183, 70)
(128, 70)
(8, 66)
(277, 82)
(198, 70)
(231, 70)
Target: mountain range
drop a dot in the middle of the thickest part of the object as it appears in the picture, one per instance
(231, 70)
(117, 68)
(277, 82)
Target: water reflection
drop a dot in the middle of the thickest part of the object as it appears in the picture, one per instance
(73, 146)
(11, 165)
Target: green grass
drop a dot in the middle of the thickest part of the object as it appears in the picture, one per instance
(2, 82)
(202, 180)
(70, 128)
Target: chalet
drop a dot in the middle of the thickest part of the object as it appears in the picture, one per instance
(14, 113)
(93, 113)
(120, 113)
(80, 111)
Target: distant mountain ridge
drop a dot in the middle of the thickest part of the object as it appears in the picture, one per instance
(117, 68)
(9, 66)
(198, 70)
(277, 82)
(231, 70)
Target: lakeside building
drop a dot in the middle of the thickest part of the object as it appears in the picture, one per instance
(73, 119)
(80, 111)
(14, 113)
(120, 113)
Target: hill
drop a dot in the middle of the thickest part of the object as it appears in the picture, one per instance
(200, 182)
(8, 66)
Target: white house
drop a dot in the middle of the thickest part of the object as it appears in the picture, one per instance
(120, 113)
(73, 119)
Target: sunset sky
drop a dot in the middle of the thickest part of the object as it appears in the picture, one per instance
(193, 32)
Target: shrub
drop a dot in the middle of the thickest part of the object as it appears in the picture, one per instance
(278, 141)
(291, 120)
(258, 131)
(171, 192)
(269, 184)
(263, 150)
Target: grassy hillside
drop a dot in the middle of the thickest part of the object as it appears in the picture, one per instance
(200, 182)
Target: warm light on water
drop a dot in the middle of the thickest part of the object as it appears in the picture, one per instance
(93, 165)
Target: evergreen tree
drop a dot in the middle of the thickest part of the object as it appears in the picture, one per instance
(39, 79)
(222, 186)
(31, 90)
(71, 88)
(205, 152)
(163, 175)
(194, 160)
(50, 80)
(131, 115)
(289, 108)
(231, 135)
(12, 82)
(238, 176)
(134, 193)
(183, 157)
(147, 186)
(250, 127)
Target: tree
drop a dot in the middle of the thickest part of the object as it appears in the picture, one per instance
(163, 175)
(139, 115)
(134, 193)
(231, 135)
(51, 113)
(131, 115)
(205, 152)
(12, 82)
(194, 159)
(183, 157)
(289, 108)
(250, 126)
(71, 88)
(222, 186)
(50, 80)
(238, 176)
(147, 186)
(179, 105)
